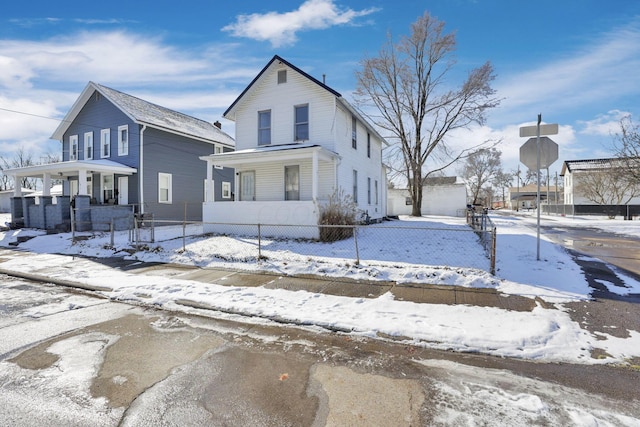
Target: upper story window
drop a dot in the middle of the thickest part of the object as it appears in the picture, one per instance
(217, 149)
(88, 145)
(105, 143)
(302, 122)
(282, 76)
(354, 133)
(123, 140)
(368, 145)
(264, 127)
(73, 147)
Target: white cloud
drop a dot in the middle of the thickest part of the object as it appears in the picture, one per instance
(280, 29)
(605, 124)
(605, 70)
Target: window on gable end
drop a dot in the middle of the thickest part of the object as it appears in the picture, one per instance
(264, 127)
(302, 122)
(105, 143)
(88, 145)
(368, 145)
(73, 147)
(282, 76)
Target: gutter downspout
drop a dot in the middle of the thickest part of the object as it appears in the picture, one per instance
(141, 170)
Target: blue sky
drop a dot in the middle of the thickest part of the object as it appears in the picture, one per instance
(577, 62)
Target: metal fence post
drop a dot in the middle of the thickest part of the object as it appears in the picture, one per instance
(112, 229)
(259, 242)
(494, 239)
(73, 225)
(355, 239)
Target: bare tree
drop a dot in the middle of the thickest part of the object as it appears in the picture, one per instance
(627, 147)
(22, 158)
(407, 84)
(479, 169)
(609, 187)
(501, 181)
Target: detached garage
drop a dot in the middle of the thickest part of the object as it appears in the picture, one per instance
(445, 196)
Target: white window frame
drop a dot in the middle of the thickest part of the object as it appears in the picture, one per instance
(355, 186)
(368, 190)
(88, 145)
(217, 149)
(168, 178)
(73, 147)
(354, 132)
(282, 76)
(301, 124)
(260, 129)
(226, 190)
(105, 143)
(293, 192)
(123, 140)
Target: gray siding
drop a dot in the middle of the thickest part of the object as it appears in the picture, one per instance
(97, 114)
(179, 156)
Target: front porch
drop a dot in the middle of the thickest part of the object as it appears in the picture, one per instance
(77, 204)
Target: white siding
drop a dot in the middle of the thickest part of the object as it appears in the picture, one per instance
(281, 99)
(270, 180)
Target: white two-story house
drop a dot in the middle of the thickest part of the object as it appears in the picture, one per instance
(297, 142)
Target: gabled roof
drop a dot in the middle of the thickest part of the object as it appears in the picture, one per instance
(590, 164)
(230, 113)
(147, 113)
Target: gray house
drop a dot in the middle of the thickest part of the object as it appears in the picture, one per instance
(121, 151)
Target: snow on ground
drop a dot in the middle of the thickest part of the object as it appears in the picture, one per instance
(546, 334)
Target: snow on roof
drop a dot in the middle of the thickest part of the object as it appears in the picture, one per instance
(157, 116)
(590, 164)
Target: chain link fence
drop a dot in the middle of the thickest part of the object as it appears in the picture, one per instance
(421, 242)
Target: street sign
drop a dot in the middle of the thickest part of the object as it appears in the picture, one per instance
(548, 129)
(529, 153)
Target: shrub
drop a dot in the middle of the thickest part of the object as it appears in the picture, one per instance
(340, 210)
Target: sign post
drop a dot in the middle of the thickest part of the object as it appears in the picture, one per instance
(550, 155)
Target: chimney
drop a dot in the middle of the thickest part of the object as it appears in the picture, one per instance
(217, 124)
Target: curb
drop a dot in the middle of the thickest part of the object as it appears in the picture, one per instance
(55, 281)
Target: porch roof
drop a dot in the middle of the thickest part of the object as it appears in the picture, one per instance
(71, 168)
(271, 153)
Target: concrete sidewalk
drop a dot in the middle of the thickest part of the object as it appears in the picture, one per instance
(418, 293)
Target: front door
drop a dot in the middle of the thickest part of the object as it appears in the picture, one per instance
(123, 190)
(248, 186)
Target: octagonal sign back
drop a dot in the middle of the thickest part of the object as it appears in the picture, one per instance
(548, 153)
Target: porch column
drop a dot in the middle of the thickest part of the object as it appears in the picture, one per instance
(314, 176)
(210, 185)
(17, 187)
(82, 182)
(236, 186)
(46, 185)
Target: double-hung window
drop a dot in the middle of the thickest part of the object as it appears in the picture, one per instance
(355, 186)
(264, 127)
(302, 122)
(369, 145)
(105, 143)
(369, 191)
(354, 132)
(164, 188)
(226, 190)
(217, 149)
(73, 147)
(123, 140)
(88, 145)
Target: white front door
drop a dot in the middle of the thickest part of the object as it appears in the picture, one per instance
(123, 190)
(248, 186)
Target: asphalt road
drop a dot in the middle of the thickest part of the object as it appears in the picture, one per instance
(68, 358)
